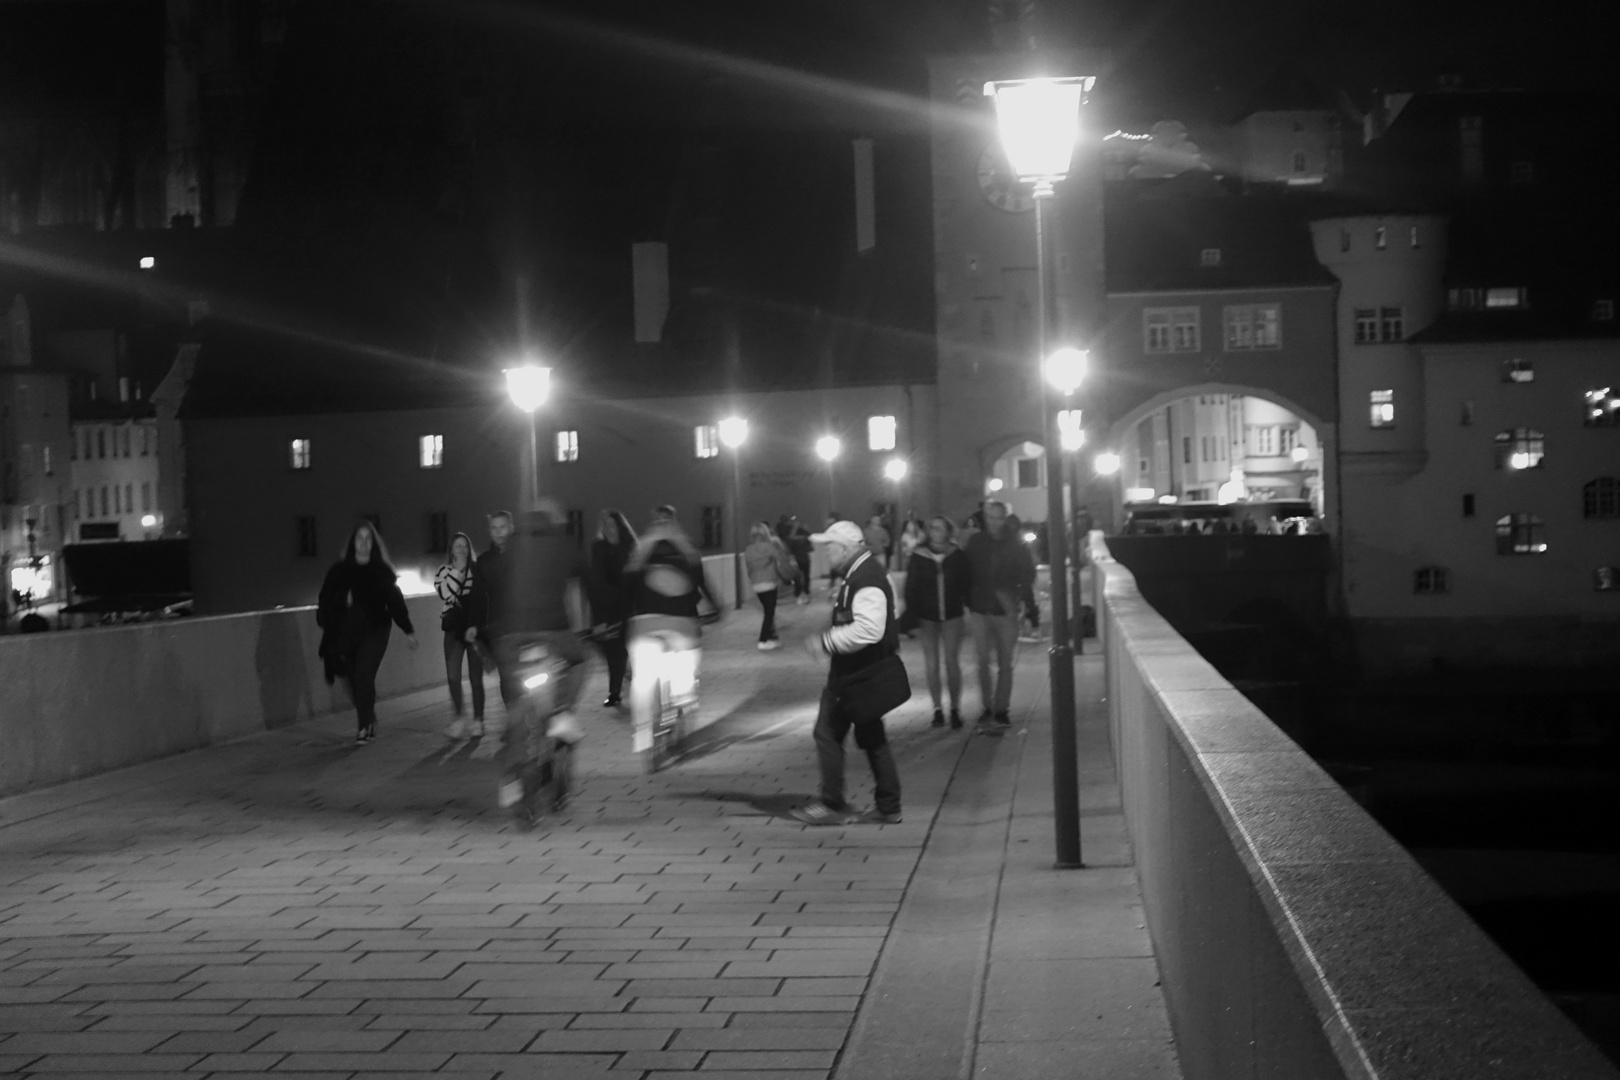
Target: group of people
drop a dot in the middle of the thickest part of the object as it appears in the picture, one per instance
(978, 583)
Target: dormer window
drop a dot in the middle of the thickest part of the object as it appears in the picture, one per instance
(1603, 311)
(1507, 297)
(1518, 370)
(1209, 257)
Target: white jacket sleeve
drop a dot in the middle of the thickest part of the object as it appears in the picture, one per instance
(870, 613)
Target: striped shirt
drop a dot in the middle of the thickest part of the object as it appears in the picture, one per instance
(451, 586)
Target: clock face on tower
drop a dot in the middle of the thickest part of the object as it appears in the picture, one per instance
(999, 186)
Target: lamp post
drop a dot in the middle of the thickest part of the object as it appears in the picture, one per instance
(828, 447)
(1073, 435)
(734, 432)
(1039, 120)
(529, 385)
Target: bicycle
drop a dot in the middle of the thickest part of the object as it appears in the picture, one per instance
(544, 770)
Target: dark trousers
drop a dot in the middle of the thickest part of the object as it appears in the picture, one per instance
(454, 649)
(368, 657)
(832, 724)
(801, 584)
(617, 656)
(767, 629)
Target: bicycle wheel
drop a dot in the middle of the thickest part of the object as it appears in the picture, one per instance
(666, 730)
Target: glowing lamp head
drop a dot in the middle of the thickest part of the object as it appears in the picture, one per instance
(1107, 464)
(1066, 369)
(895, 469)
(528, 385)
(733, 431)
(148, 262)
(148, 520)
(1519, 460)
(828, 447)
(993, 485)
(1039, 121)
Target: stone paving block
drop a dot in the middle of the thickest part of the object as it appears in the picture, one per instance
(744, 1074)
(702, 987)
(637, 1061)
(836, 1003)
(761, 1038)
(210, 1042)
(840, 1019)
(587, 1021)
(397, 988)
(769, 1059)
(305, 1040)
(815, 987)
(683, 969)
(535, 1066)
(353, 1062)
(170, 1022)
(466, 1042)
(114, 1064)
(298, 1007)
(423, 1021)
(800, 965)
(15, 1063)
(671, 1004)
(602, 1040)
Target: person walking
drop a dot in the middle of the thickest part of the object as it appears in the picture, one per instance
(937, 579)
(359, 605)
(791, 531)
(769, 565)
(1000, 573)
(610, 602)
(877, 539)
(453, 582)
(863, 648)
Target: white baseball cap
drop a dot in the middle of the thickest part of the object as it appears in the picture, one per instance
(840, 532)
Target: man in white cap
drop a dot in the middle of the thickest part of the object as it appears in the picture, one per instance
(862, 634)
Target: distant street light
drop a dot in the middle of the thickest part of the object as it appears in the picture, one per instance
(529, 385)
(1106, 463)
(828, 447)
(895, 469)
(734, 432)
(1039, 120)
(993, 484)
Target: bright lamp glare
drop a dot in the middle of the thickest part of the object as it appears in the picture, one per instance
(148, 262)
(1520, 460)
(538, 679)
(529, 386)
(734, 431)
(1070, 433)
(1040, 123)
(828, 447)
(895, 469)
(1066, 369)
(993, 485)
(1107, 464)
(148, 520)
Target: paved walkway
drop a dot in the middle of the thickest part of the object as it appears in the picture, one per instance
(290, 906)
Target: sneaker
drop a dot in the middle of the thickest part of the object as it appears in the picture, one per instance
(986, 717)
(1003, 720)
(458, 729)
(509, 794)
(939, 718)
(476, 731)
(613, 702)
(564, 727)
(819, 813)
(802, 600)
(874, 816)
(956, 719)
(365, 735)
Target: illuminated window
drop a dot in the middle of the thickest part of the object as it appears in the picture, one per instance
(706, 440)
(1431, 580)
(1167, 330)
(430, 453)
(1602, 407)
(1520, 448)
(1520, 534)
(1209, 257)
(1606, 579)
(1381, 409)
(1518, 370)
(567, 446)
(880, 432)
(300, 454)
(1366, 326)
(1253, 326)
(1262, 440)
(1287, 439)
(1600, 498)
(304, 546)
(1507, 298)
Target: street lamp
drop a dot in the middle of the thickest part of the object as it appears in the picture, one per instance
(895, 469)
(1039, 120)
(828, 447)
(529, 385)
(1106, 463)
(734, 432)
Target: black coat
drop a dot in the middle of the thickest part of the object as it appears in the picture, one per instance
(356, 600)
(929, 578)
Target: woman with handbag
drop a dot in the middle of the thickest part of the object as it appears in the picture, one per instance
(610, 599)
(937, 578)
(769, 565)
(453, 582)
(359, 604)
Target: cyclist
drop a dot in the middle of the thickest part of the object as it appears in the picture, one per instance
(522, 599)
(666, 586)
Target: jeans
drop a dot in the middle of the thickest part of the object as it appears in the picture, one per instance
(934, 636)
(454, 649)
(767, 628)
(801, 584)
(363, 673)
(1000, 633)
(832, 724)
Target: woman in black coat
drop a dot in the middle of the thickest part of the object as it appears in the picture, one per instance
(360, 601)
(610, 600)
(937, 577)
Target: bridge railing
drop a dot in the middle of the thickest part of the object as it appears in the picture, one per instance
(1295, 937)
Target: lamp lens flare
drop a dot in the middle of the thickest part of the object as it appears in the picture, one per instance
(733, 431)
(895, 469)
(1040, 123)
(528, 386)
(828, 447)
(1066, 369)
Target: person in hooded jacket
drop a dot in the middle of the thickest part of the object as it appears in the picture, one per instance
(938, 577)
(359, 604)
(610, 601)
